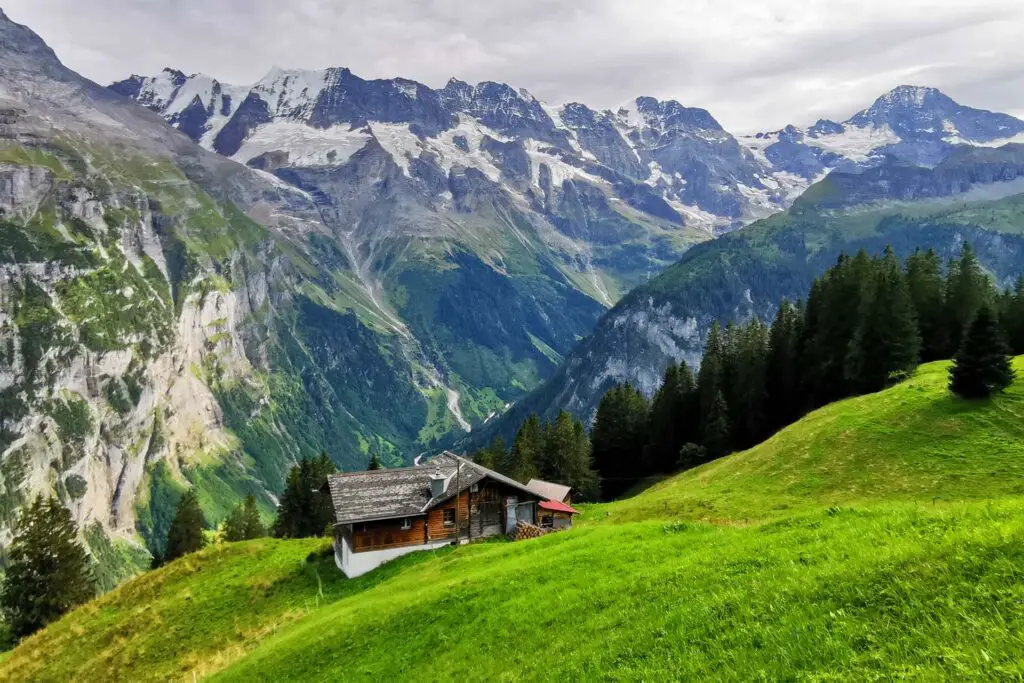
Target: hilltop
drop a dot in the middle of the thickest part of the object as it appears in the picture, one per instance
(878, 536)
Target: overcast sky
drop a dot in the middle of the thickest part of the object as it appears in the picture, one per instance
(755, 64)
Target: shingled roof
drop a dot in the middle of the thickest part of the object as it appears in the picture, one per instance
(405, 491)
(549, 490)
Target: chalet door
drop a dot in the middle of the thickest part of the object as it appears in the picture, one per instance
(510, 513)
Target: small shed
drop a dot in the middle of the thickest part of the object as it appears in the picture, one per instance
(553, 514)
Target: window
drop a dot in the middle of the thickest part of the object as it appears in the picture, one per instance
(406, 524)
(449, 517)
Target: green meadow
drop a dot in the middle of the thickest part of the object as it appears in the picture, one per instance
(879, 537)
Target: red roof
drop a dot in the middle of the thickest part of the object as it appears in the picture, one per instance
(557, 506)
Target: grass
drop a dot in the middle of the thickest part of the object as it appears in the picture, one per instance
(913, 442)
(880, 537)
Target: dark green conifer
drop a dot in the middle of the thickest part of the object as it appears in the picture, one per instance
(47, 570)
(527, 450)
(927, 290)
(717, 431)
(618, 438)
(982, 366)
(244, 523)
(887, 341)
(186, 532)
(304, 510)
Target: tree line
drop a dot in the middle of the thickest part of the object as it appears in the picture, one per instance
(554, 451)
(866, 324)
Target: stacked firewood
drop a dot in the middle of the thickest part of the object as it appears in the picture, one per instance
(526, 530)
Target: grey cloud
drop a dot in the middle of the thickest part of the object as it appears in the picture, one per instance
(754, 64)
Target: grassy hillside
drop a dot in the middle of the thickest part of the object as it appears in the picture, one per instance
(879, 537)
(912, 442)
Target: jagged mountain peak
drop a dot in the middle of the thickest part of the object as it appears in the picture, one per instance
(651, 112)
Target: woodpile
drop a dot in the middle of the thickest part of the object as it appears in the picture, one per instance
(525, 530)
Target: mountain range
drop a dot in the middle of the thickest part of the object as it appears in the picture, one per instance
(201, 283)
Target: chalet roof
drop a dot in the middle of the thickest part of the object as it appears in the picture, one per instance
(405, 491)
(549, 490)
(557, 506)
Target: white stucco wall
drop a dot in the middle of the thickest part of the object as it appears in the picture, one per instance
(356, 564)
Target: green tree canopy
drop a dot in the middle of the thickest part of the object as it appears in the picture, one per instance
(618, 438)
(244, 524)
(186, 532)
(527, 450)
(982, 366)
(48, 571)
(304, 511)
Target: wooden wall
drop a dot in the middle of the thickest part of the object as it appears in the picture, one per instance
(436, 530)
(387, 533)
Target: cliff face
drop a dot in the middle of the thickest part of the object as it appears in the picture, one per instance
(172, 319)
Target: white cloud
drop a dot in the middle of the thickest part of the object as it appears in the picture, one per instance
(755, 64)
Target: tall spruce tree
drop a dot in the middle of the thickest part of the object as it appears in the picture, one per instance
(783, 367)
(618, 438)
(927, 290)
(304, 510)
(583, 478)
(243, 523)
(982, 366)
(375, 463)
(48, 571)
(494, 456)
(559, 449)
(186, 532)
(717, 430)
(710, 380)
(747, 390)
(967, 289)
(671, 422)
(1011, 316)
(527, 450)
(887, 340)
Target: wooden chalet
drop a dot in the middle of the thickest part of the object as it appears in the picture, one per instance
(383, 514)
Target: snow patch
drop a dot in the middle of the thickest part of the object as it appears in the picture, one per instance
(306, 146)
(855, 143)
(560, 170)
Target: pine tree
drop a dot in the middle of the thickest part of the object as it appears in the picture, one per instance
(928, 293)
(583, 478)
(618, 438)
(1012, 317)
(186, 532)
(304, 511)
(527, 450)
(887, 340)
(982, 366)
(783, 367)
(709, 377)
(717, 431)
(967, 289)
(48, 572)
(374, 463)
(494, 456)
(668, 419)
(747, 388)
(555, 463)
(243, 523)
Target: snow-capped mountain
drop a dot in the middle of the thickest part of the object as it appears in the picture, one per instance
(917, 126)
(664, 160)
